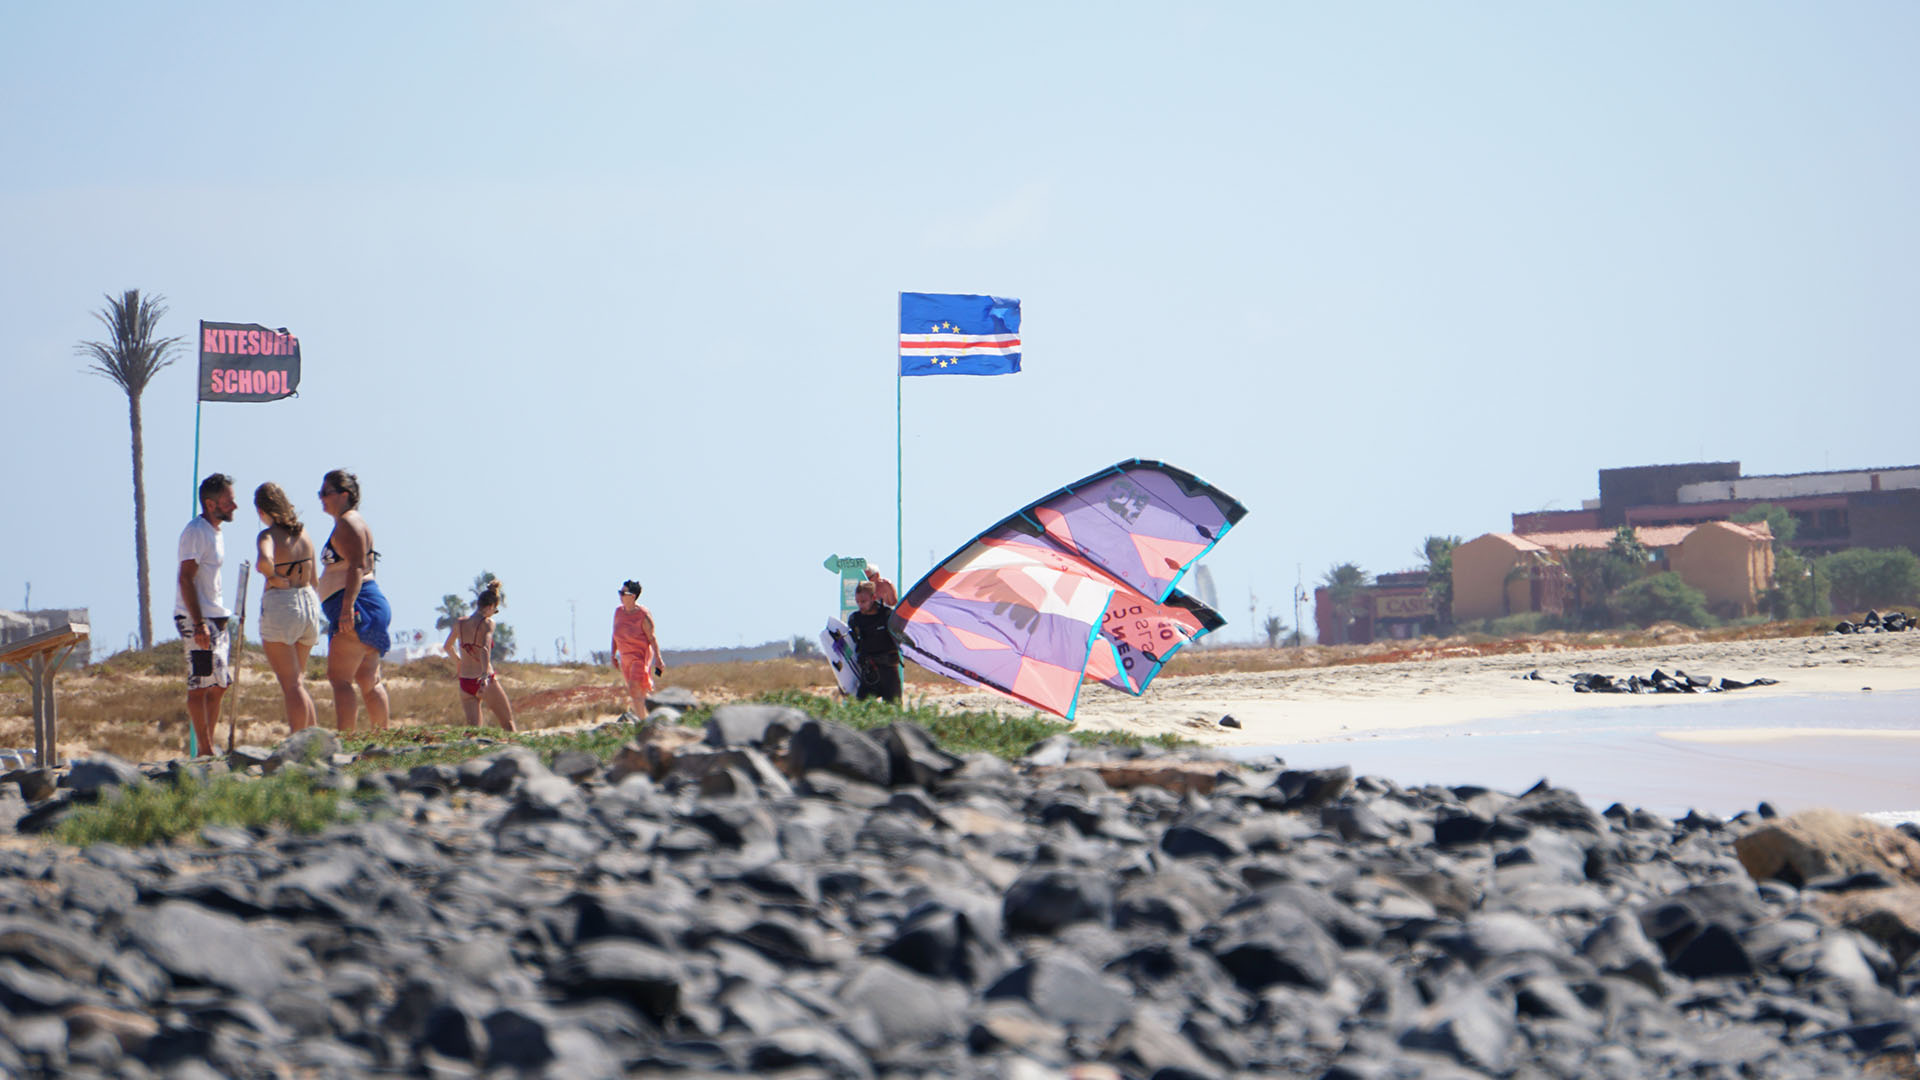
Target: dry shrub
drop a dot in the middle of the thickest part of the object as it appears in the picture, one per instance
(134, 704)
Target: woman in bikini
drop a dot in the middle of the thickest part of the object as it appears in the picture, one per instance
(470, 641)
(289, 608)
(356, 609)
(635, 649)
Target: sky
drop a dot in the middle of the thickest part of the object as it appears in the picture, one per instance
(592, 291)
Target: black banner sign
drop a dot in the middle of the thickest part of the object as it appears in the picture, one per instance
(247, 362)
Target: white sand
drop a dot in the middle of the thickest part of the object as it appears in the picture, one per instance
(1359, 700)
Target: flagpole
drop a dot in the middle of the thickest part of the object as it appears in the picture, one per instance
(196, 454)
(196, 429)
(193, 747)
(193, 742)
(899, 470)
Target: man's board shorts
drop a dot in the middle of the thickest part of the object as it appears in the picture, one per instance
(290, 616)
(371, 615)
(206, 668)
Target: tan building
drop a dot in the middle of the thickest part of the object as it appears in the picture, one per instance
(1659, 540)
(1500, 574)
(1505, 573)
(1729, 562)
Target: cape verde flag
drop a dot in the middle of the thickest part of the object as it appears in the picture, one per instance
(958, 334)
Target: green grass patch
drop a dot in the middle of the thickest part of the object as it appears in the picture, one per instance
(154, 812)
(961, 732)
(958, 732)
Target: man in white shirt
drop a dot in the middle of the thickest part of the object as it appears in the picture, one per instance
(199, 612)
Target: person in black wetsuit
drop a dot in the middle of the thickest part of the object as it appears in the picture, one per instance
(877, 654)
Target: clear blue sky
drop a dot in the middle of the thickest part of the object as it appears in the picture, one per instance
(590, 291)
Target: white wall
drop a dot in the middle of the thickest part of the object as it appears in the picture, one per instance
(1782, 487)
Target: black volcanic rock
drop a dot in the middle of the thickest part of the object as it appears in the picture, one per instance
(896, 910)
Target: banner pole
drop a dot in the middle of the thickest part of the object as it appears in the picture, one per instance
(899, 469)
(196, 455)
(899, 487)
(193, 749)
(196, 423)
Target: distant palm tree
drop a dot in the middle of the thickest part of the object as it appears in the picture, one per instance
(1275, 630)
(1437, 553)
(1345, 580)
(1343, 583)
(130, 360)
(452, 609)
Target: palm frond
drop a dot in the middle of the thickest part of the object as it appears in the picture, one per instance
(132, 355)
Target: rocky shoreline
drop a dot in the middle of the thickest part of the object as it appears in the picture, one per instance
(785, 896)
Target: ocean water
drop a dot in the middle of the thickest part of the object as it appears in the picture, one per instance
(1860, 753)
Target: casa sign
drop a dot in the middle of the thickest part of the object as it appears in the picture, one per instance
(1402, 606)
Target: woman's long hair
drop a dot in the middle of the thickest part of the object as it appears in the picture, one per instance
(271, 501)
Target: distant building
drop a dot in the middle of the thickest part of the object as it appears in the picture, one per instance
(1395, 606)
(737, 654)
(15, 625)
(1502, 574)
(1832, 510)
(406, 646)
(1729, 562)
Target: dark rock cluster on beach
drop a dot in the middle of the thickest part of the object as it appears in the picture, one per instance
(1585, 682)
(790, 897)
(1892, 622)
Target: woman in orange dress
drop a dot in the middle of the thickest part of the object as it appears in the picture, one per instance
(635, 649)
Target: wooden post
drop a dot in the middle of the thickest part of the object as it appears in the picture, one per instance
(31, 669)
(235, 646)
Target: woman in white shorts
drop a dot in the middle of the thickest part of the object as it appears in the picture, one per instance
(289, 608)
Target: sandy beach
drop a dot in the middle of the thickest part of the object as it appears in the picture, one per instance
(1357, 700)
(1838, 729)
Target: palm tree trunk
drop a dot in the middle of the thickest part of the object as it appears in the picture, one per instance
(140, 525)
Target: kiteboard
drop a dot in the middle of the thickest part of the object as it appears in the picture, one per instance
(836, 644)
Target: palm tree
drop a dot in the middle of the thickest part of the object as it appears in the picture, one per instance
(1437, 553)
(130, 360)
(1275, 630)
(1343, 584)
(452, 609)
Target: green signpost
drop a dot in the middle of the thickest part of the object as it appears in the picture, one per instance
(852, 571)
